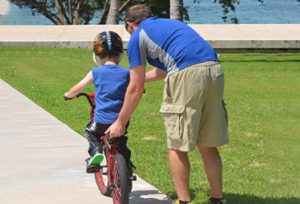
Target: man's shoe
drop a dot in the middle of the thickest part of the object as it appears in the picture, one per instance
(215, 201)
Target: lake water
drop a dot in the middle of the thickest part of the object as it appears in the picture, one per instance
(204, 12)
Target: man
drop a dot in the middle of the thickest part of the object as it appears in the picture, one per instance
(194, 114)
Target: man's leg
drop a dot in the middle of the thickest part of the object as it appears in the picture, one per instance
(213, 168)
(180, 170)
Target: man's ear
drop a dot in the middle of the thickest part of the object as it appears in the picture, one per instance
(132, 26)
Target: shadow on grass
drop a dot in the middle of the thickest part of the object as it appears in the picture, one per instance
(252, 199)
(232, 198)
(147, 197)
(260, 60)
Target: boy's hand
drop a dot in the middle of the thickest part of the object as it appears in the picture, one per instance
(66, 98)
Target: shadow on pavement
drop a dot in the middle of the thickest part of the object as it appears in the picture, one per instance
(147, 197)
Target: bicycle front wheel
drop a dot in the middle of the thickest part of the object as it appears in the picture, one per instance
(120, 178)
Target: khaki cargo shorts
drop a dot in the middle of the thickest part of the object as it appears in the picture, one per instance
(193, 107)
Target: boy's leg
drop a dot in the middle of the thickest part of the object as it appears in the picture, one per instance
(95, 152)
(180, 170)
(93, 132)
(91, 136)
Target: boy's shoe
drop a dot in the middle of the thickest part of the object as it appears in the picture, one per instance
(93, 163)
(96, 159)
(210, 201)
(178, 202)
(92, 168)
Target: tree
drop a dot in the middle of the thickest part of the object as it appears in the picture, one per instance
(228, 6)
(68, 12)
(62, 12)
(113, 13)
(176, 9)
(164, 8)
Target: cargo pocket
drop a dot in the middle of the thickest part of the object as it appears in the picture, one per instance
(172, 114)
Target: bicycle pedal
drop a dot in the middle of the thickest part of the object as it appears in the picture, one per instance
(112, 186)
(93, 169)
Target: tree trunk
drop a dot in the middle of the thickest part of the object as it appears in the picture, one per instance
(70, 11)
(51, 16)
(113, 14)
(176, 8)
(124, 6)
(60, 11)
(104, 13)
(76, 13)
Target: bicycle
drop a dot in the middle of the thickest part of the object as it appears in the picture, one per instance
(115, 175)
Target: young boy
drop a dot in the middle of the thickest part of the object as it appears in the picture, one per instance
(110, 81)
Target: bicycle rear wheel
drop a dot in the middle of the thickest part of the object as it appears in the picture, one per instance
(120, 178)
(101, 177)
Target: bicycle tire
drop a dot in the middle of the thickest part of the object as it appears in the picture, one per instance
(130, 173)
(101, 178)
(120, 178)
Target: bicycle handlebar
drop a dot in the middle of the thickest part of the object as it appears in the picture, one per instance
(87, 97)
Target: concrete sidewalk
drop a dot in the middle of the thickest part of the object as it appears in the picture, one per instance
(223, 37)
(42, 159)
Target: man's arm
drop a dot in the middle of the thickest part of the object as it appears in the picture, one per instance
(133, 96)
(155, 74)
(79, 86)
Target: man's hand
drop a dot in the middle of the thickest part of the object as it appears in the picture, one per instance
(117, 129)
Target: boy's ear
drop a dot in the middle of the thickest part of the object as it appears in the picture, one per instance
(119, 58)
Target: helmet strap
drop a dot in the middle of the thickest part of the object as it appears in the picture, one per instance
(97, 60)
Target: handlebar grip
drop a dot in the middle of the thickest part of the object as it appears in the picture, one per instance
(67, 98)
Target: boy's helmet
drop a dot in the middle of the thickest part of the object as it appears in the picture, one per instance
(108, 43)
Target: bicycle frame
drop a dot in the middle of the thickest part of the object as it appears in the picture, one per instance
(110, 150)
(110, 146)
(116, 181)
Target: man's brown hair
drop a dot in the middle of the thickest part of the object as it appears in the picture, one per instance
(138, 13)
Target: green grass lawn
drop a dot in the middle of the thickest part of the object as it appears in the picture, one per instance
(262, 92)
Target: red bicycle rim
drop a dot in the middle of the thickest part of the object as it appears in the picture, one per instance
(100, 180)
(116, 190)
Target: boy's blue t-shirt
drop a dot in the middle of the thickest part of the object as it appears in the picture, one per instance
(110, 83)
(169, 45)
